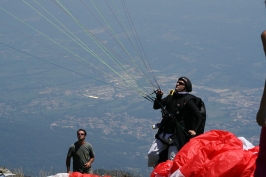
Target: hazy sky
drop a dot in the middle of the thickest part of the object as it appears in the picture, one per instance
(212, 38)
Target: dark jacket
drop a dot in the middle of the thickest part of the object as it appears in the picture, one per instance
(180, 118)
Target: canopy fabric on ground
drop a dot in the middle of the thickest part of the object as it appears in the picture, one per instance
(214, 153)
(76, 174)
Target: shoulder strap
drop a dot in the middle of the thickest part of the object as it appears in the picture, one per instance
(170, 95)
(171, 92)
(187, 98)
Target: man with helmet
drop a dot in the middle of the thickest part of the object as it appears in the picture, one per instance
(176, 127)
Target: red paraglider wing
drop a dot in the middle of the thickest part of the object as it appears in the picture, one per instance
(214, 153)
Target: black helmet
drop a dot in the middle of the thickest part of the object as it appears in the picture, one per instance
(187, 83)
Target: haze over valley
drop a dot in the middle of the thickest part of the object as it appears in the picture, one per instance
(48, 92)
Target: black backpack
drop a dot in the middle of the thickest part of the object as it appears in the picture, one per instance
(198, 101)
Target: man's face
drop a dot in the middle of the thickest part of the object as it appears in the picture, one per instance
(180, 86)
(81, 135)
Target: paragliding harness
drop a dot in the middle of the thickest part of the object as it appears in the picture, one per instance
(198, 101)
(166, 116)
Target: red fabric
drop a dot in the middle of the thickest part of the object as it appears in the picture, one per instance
(162, 169)
(261, 160)
(215, 153)
(77, 174)
(247, 168)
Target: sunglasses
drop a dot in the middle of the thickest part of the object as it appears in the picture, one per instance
(80, 134)
(180, 83)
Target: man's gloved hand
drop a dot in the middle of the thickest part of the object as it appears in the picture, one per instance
(159, 94)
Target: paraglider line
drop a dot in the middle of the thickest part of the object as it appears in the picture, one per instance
(53, 63)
